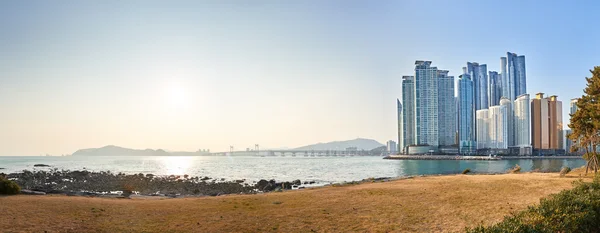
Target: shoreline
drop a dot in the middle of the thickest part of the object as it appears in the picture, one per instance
(418, 204)
(482, 158)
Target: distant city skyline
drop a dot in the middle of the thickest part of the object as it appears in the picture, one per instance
(185, 75)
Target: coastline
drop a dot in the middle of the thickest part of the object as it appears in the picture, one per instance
(486, 158)
(415, 204)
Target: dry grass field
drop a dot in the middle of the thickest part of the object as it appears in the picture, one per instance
(422, 204)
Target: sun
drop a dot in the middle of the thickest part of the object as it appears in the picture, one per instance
(176, 96)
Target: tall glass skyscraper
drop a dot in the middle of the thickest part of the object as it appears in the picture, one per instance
(426, 104)
(494, 88)
(408, 111)
(573, 106)
(514, 81)
(446, 109)
(479, 76)
(466, 113)
(522, 122)
(400, 131)
(483, 136)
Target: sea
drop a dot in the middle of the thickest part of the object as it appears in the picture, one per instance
(322, 170)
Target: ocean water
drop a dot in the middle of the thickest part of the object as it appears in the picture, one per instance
(254, 168)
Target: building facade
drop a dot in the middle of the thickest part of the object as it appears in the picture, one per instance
(479, 76)
(466, 113)
(446, 109)
(408, 111)
(556, 124)
(514, 78)
(426, 104)
(498, 127)
(494, 88)
(400, 126)
(392, 147)
(482, 125)
(521, 123)
(547, 126)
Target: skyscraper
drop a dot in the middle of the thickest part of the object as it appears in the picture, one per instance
(400, 131)
(547, 127)
(494, 88)
(573, 106)
(426, 104)
(556, 123)
(479, 76)
(521, 125)
(466, 123)
(514, 80)
(446, 109)
(483, 137)
(408, 111)
(392, 147)
(540, 137)
(498, 126)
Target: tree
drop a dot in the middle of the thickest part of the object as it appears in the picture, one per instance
(585, 122)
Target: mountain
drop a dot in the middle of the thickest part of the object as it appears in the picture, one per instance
(359, 143)
(120, 151)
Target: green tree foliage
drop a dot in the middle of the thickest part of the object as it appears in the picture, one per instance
(8, 187)
(585, 122)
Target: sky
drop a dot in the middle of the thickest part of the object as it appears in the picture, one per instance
(189, 75)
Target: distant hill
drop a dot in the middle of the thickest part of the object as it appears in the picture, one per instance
(120, 151)
(359, 143)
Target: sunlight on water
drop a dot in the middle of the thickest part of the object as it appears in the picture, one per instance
(176, 165)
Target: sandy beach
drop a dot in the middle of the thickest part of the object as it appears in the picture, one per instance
(421, 204)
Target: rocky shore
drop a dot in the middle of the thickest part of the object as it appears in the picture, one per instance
(86, 183)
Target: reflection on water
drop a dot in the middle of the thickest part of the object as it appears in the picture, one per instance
(319, 169)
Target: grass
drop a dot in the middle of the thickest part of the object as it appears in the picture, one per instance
(423, 204)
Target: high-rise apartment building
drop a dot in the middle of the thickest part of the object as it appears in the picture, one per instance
(446, 109)
(466, 113)
(400, 128)
(556, 123)
(392, 147)
(498, 126)
(547, 125)
(408, 111)
(521, 124)
(494, 88)
(573, 106)
(479, 76)
(426, 104)
(482, 125)
(568, 143)
(540, 136)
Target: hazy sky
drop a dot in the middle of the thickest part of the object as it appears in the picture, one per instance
(185, 75)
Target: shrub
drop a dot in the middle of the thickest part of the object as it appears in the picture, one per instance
(515, 169)
(466, 171)
(564, 171)
(575, 210)
(9, 187)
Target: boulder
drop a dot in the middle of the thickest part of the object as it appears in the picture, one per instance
(296, 182)
(286, 185)
(41, 165)
(30, 192)
(261, 184)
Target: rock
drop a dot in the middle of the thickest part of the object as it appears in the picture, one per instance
(239, 181)
(205, 178)
(30, 192)
(41, 165)
(296, 182)
(261, 185)
(312, 182)
(286, 185)
(1, 168)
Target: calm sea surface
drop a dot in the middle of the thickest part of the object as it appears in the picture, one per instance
(254, 168)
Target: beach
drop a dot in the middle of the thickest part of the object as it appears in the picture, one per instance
(446, 203)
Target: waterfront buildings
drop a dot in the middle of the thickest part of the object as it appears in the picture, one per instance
(547, 125)
(466, 113)
(573, 106)
(408, 111)
(446, 109)
(498, 127)
(568, 143)
(521, 126)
